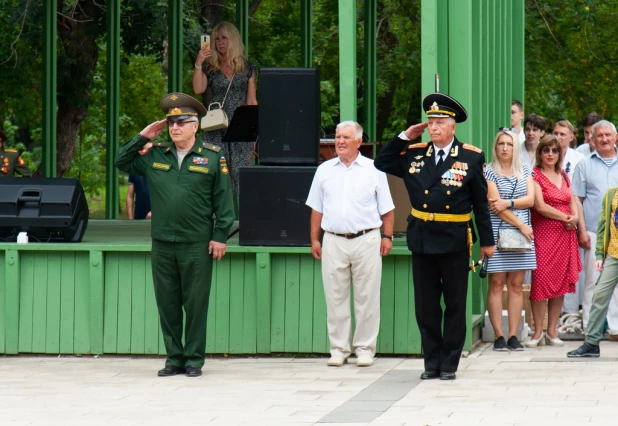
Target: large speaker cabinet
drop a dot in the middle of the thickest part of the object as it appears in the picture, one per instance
(272, 208)
(289, 116)
(48, 209)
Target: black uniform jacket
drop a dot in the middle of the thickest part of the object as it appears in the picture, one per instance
(457, 187)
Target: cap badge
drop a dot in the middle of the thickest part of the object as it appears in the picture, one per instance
(175, 111)
(173, 97)
(434, 107)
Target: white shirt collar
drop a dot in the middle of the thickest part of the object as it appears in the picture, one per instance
(446, 149)
(358, 160)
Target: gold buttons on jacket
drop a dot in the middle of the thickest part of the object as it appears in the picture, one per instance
(448, 192)
(448, 207)
(426, 192)
(424, 206)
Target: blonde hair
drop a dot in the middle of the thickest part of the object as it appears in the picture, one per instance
(516, 164)
(235, 49)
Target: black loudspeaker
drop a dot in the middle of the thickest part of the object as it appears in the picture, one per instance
(289, 116)
(48, 209)
(272, 210)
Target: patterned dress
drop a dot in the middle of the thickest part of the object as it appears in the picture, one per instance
(242, 152)
(557, 251)
(503, 261)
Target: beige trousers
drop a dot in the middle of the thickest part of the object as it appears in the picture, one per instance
(355, 261)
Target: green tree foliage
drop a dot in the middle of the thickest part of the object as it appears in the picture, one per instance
(570, 64)
(571, 58)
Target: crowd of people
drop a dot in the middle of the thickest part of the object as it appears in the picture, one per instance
(565, 210)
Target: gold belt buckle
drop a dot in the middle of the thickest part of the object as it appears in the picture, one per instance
(431, 216)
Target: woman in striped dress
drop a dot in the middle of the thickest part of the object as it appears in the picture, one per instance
(510, 191)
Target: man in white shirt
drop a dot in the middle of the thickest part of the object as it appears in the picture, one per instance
(534, 129)
(350, 200)
(588, 146)
(517, 115)
(565, 132)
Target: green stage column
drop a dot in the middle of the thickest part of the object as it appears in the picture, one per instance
(370, 73)
(518, 65)
(347, 59)
(113, 107)
(306, 33)
(174, 52)
(49, 90)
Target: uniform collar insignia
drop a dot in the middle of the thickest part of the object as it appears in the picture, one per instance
(454, 151)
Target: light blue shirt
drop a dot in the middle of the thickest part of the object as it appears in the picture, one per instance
(591, 180)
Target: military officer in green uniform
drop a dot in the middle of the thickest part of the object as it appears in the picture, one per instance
(10, 161)
(189, 185)
(445, 183)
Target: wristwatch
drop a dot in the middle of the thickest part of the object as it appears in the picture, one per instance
(390, 237)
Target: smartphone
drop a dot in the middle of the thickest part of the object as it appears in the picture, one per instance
(205, 41)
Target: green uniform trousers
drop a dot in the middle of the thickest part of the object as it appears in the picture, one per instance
(182, 273)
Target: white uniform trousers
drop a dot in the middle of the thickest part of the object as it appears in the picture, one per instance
(356, 261)
(591, 279)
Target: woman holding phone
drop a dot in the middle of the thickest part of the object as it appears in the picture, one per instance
(230, 80)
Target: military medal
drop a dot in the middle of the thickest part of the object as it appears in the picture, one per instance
(418, 157)
(200, 161)
(223, 164)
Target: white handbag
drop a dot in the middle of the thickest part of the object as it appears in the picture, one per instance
(216, 119)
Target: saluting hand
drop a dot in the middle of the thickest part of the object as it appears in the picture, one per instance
(217, 249)
(153, 129)
(415, 131)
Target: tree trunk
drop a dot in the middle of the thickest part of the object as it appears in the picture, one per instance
(78, 58)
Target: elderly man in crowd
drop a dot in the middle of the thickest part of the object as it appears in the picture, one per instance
(593, 177)
(350, 200)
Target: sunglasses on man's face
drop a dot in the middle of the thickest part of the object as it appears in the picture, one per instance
(171, 123)
(547, 150)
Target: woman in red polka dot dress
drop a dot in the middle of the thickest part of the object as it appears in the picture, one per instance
(554, 217)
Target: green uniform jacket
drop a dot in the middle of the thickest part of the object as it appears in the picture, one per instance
(605, 222)
(183, 201)
(11, 162)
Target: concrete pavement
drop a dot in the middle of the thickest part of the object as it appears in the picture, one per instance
(536, 386)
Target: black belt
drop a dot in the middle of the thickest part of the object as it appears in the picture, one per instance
(350, 236)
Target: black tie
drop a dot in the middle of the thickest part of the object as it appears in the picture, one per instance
(440, 160)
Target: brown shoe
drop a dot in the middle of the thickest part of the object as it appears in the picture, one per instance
(613, 338)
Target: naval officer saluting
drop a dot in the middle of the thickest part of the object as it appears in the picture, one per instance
(445, 183)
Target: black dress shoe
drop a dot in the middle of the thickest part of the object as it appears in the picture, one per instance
(427, 375)
(448, 376)
(192, 371)
(171, 370)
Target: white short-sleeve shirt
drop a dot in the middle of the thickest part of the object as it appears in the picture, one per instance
(351, 199)
(570, 160)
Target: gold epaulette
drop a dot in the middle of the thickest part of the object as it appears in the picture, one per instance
(418, 145)
(163, 144)
(10, 150)
(212, 147)
(472, 148)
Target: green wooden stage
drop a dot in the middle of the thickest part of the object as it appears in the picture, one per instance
(97, 297)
